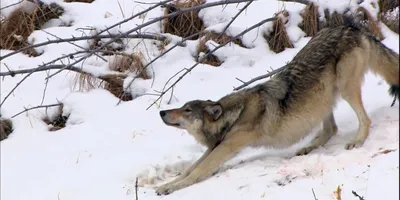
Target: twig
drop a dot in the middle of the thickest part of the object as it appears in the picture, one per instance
(45, 89)
(356, 195)
(136, 188)
(259, 78)
(212, 51)
(315, 198)
(36, 107)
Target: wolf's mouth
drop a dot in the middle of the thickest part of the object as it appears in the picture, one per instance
(173, 124)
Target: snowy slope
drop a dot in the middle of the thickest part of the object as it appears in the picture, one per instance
(105, 147)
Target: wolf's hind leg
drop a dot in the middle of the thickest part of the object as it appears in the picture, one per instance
(329, 128)
(351, 70)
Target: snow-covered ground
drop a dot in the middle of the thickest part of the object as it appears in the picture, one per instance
(104, 147)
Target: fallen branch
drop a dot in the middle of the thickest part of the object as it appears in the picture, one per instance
(273, 72)
(210, 52)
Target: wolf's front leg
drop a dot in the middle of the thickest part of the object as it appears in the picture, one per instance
(188, 170)
(222, 153)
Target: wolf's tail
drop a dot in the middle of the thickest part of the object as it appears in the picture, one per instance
(385, 62)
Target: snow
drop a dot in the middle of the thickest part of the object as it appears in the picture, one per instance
(105, 146)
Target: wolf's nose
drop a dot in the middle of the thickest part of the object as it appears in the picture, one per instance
(162, 113)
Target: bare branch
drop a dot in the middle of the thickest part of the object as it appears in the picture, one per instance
(74, 39)
(212, 51)
(49, 67)
(273, 72)
(11, 5)
(36, 107)
(234, 17)
(125, 34)
(156, 58)
(74, 44)
(184, 10)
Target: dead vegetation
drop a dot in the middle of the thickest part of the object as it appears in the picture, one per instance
(184, 24)
(311, 23)
(278, 39)
(389, 14)
(218, 38)
(58, 121)
(127, 64)
(6, 128)
(15, 30)
(338, 193)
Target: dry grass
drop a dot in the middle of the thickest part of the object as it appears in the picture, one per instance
(278, 39)
(15, 30)
(81, 1)
(389, 14)
(59, 120)
(6, 128)
(128, 64)
(310, 23)
(218, 38)
(338, 193)
(184, 24)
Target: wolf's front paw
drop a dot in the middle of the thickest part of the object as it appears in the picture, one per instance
(166, 189)
(355, 144)
(304, 151)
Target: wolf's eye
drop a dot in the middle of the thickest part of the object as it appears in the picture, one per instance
(188, 110)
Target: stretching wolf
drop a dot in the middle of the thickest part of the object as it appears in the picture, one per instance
(283, 110)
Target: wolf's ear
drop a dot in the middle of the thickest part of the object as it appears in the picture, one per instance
(215, 111)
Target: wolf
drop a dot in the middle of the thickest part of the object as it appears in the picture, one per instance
(284, 109)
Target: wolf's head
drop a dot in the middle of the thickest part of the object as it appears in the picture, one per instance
(207, 121)
(192, 115)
